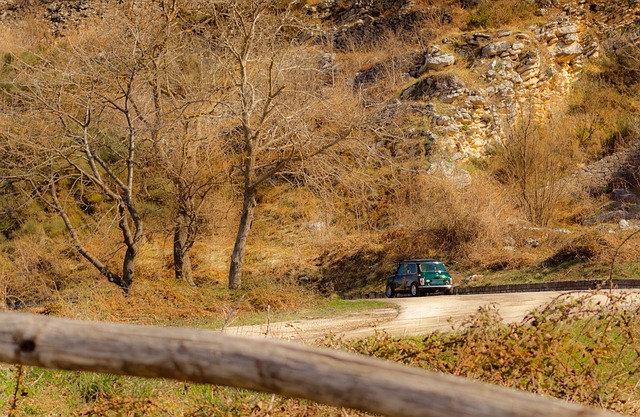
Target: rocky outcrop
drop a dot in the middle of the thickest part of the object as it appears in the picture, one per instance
(59, 15)
(526, 71)
(363, 22)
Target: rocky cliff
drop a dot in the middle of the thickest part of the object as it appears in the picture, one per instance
(469, 84)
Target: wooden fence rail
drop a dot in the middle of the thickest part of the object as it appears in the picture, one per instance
(279, 367)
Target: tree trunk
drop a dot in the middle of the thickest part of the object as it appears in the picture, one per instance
(237, 257)
(128, 267)
(181, 258)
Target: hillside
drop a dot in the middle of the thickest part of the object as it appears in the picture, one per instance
(500, 136)
(205, 163)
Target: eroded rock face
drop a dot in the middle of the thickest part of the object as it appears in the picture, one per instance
(533, 68)
(526, 70)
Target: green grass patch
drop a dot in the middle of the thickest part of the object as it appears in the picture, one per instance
(566, 271)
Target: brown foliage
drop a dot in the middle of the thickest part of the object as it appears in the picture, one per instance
(584, 248)
(578, 348)
(439, 219)
(532, 162)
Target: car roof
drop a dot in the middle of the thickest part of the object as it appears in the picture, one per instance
(421, 260)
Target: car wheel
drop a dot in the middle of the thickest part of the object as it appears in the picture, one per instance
(414, 290)
(389, 292)
(448, 291)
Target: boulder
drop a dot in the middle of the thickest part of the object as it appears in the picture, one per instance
(495, 48)
(565, 53)
(567, 29)
(437, 62)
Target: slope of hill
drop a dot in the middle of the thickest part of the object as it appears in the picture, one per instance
(500, 136)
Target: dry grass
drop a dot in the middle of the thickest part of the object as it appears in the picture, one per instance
(22, 35)
(346, 242)
(490, 14)
(601, 116)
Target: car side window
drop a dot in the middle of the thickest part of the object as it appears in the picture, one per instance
(402, 269)
(412, 269)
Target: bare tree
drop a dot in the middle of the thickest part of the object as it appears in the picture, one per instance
(186, 150)
(80, 103)
(533, 160)
(281, 111)
(143, 84)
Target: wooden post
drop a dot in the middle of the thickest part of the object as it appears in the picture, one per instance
(267, 365)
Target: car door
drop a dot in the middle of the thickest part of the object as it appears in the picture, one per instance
(412, 275)
(400, 278)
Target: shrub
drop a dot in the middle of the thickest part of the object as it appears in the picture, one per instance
(578, 348)
(484, 14)
(441, 219)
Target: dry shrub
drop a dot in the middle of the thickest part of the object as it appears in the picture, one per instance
(441, 219)
(163, 300)
(352, 266)
(149, 302)
(485, 14)
(380, 71)
(578, 348)
(625, 248)
(592, 247)
(34, 270)
(588, 247)
(267, 293)
(22, 33)
(622, 63)
(601, 115)
(533, 161)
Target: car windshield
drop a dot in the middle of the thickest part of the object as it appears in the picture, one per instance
(433, 267)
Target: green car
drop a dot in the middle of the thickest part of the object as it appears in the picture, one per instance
(417, 276)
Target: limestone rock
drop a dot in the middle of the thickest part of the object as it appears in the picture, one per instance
(565, 53)
(495, 48)
(437, 62)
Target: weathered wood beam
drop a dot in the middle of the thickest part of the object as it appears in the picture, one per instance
(285, 368)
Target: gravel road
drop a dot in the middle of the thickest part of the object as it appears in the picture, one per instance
(405, 316)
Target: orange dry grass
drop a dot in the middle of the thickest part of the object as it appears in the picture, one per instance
(18, 36)
(149, 302)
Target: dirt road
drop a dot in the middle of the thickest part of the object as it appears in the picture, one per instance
(405, 316)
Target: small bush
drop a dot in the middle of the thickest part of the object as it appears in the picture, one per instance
(584, 248)
(441, 219)
(484, 14)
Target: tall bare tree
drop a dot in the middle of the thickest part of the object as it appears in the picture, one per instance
(278, 103)
(187, 150)
(141, 84)
(83, 102)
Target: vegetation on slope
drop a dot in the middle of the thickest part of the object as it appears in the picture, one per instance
(333, 224)
(581, 348)
(352, 213)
